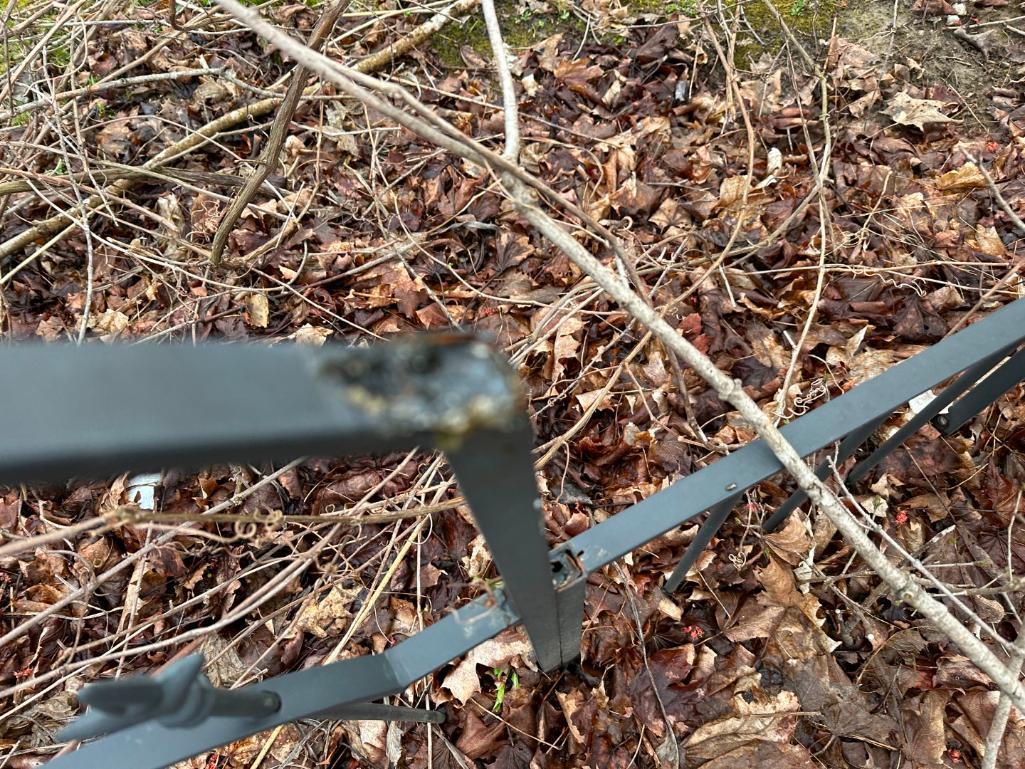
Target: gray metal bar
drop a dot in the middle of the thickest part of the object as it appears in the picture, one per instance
(846, 450)
(305, 694)
(317, 690)
(716, 517)
(496, 473)
(101, 409)
(180, 696)
(755, 462)
(964, 382)
(852, 442)
(571, 585)
(1006, 376)
(256, 402)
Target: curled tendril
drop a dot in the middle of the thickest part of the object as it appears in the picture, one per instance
(250, 527)
(246, 529)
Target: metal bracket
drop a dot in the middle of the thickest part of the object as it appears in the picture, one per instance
(179, 697)
(340, 690)
(570, 584)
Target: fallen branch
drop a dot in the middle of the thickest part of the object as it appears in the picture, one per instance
(995, 736)
(95, 88)
(269, 160)
(431, 127)
(108, 175)
(509, 101)
(56, 223)
(382, 58)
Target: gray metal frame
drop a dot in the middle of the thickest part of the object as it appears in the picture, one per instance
(102, 409)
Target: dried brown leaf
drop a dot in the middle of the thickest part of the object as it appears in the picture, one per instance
(766, 718)
(964, 179)
(257, 309)
(329, 614)
(791, 543)
(907, 110)
(464, 682)
(765, 755)
(923, 736)
(973, 726)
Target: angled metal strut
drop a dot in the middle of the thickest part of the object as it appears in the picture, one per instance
(98, 410)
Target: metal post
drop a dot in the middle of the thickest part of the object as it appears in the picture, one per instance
(252, 403)
(571, 585)
(496, 473)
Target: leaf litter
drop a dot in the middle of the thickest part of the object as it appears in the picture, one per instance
(778, 649)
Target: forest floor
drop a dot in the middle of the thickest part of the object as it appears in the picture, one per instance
(758, 215)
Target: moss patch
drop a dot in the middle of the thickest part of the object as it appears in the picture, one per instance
(683, 7)
(806, 19)
(58, 55)
(520, 30)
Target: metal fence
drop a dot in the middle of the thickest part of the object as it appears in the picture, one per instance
(97, 410)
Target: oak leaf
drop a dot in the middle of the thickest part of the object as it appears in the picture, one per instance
(907, 110)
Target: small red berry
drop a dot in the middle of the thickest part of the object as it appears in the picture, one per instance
(693, 632)
(901, 518)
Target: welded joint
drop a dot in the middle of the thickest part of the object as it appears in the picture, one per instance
(496, 602)
(442, 385)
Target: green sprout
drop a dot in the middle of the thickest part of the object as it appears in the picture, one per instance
(503, 682)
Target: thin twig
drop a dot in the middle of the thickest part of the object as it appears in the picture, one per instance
(63, 224)
(269, 159)
(113, 85)
(670, 734)
(998, 196)
(512, 124)
(385, 56)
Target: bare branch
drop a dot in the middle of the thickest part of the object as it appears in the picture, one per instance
(509, 104)
(269, 160)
